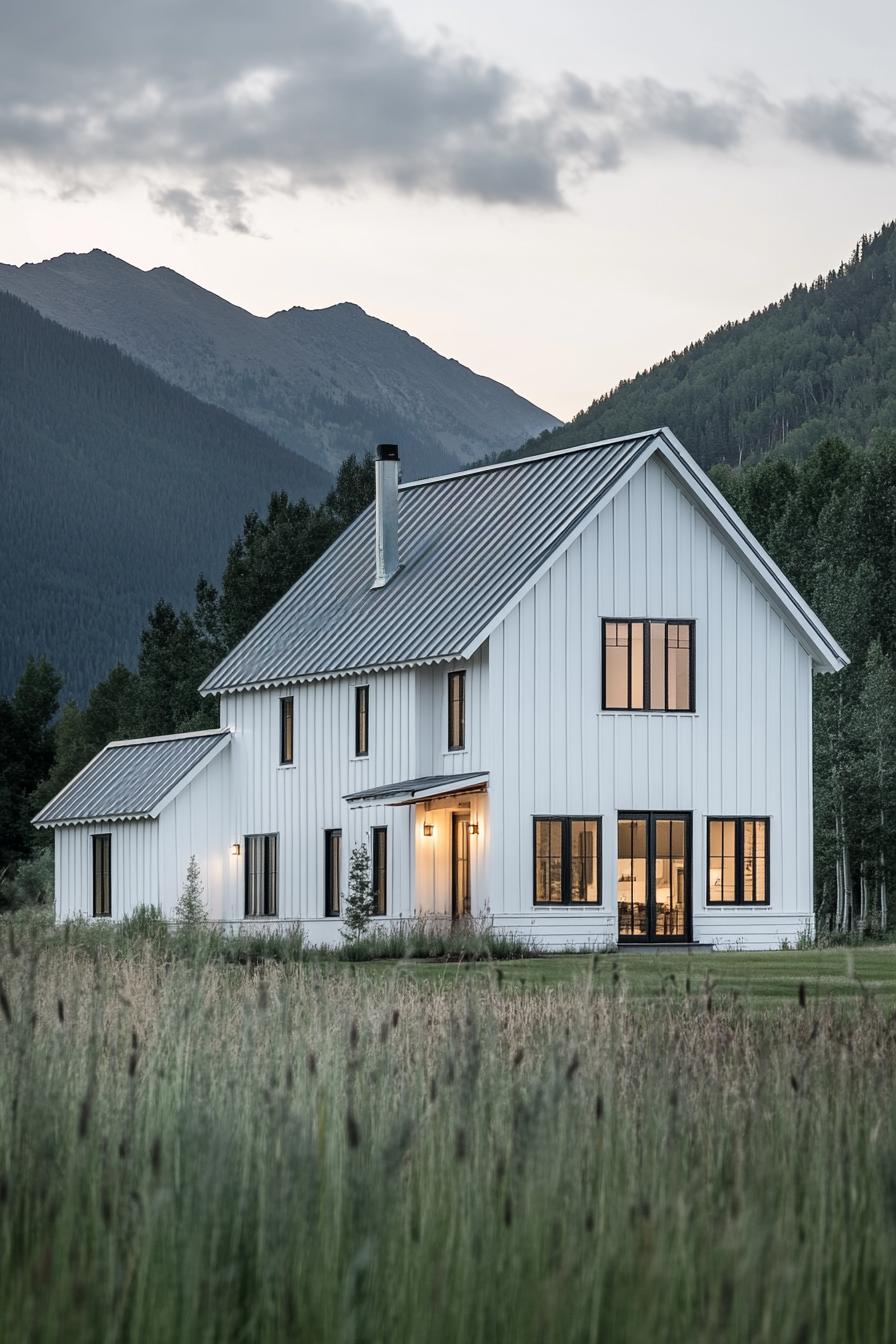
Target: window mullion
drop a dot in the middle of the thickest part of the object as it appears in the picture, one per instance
(647, 641)
(565, 841)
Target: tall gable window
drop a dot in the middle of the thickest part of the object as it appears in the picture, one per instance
(737, 861)
(457, 713)
(287, 730)
(649, 665)
(261, 876)
(362, 720)
(332, 871)
(567, 861)
(380, 868)
(102, 875)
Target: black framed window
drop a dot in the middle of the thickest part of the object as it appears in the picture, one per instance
(649, 665)
(567, 861)
(737, 861)
(362, 720)
(379, 839)
(261, 876)
(287, 730)
(102, 876)
(332, 871)
(457, 710)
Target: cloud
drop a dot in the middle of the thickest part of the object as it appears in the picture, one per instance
(838, 126)
(210, 101)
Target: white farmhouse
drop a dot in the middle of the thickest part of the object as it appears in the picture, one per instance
(571, 691)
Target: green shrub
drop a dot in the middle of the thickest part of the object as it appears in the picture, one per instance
(30, 883)
(146, 922)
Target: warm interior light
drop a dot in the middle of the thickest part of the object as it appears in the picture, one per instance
(473, 827)
(427, 828)
(235, 849)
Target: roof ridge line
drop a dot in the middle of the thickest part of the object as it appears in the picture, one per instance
(534, 457)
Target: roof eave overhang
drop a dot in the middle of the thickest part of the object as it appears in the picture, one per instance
(333, 674)
(102, 820)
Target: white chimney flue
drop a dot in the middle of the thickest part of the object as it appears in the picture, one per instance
(386, 513)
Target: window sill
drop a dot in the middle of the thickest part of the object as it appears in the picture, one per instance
(358, 760)
(455, 751)
(287, 765)
(578, 907)
(714, 907)
(653, 713)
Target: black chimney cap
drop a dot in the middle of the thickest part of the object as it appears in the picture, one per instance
(387, 452)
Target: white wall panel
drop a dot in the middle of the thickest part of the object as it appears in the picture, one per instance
(746, 751)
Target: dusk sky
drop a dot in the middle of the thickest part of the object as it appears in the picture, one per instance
(555, 194)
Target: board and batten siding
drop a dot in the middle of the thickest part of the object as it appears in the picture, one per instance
(300, 802)
(134, 869)
(745, 752)
(149, 857)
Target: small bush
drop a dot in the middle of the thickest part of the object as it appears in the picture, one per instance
(146, 922)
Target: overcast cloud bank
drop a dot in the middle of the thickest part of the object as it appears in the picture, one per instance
(212, 100)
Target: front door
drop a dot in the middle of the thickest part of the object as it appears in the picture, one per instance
(653, 876)
(460, 865)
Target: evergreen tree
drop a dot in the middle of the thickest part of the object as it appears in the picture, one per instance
(27, 747)
(190, 911)
(358, 908)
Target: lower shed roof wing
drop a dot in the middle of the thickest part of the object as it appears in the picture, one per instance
(133, 780)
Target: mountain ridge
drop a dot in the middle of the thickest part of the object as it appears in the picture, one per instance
(119, 490)
(324, 381)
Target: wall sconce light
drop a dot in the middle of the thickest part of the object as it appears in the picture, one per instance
(427, 828)
(235, 849)
(473, 827)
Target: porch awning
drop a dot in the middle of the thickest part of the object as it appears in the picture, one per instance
(408, 791)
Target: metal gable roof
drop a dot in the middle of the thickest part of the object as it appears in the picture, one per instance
(470, 544)
(132, 779)
(467, 544)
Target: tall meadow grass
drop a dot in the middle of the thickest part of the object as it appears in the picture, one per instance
(195, 1151)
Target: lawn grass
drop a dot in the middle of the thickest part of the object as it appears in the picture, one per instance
(202, 1151)
(757, 978)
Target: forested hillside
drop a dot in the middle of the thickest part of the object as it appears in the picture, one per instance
(830, 522)
(821, 361)
(117, 489)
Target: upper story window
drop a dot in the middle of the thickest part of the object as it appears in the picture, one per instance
(737, 861)
(102, 875)
(362, 720)
(287, 730)
(649, 665)
(457, 712)
(567, 861)
(261, 876)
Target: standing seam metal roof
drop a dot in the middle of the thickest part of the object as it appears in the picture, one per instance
(467, 544)
(129, 779)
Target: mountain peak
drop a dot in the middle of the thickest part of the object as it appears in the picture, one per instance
(325, 382)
